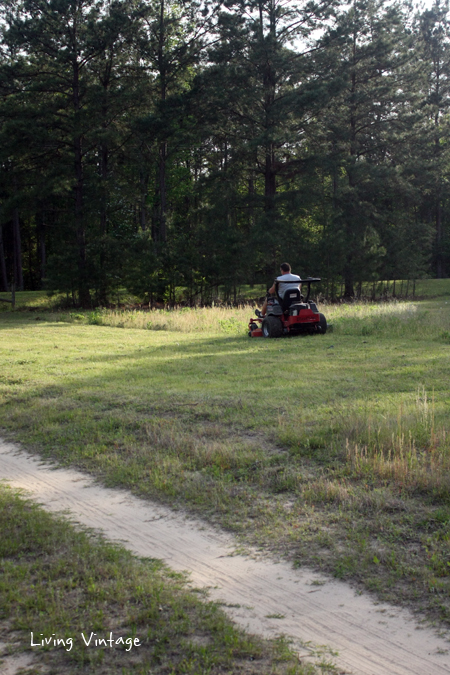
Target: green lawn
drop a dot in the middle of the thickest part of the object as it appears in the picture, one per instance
(59, 583)
(331, 450)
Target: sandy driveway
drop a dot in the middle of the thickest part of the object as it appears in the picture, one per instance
(370, 639)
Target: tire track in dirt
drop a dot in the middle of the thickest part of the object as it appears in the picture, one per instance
(264, 597)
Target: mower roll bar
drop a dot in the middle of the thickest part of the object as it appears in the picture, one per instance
(308, 280)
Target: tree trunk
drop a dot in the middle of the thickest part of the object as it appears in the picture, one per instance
(3, 275)
(104, 174)
(269, 179)
(349, 291)
(270, 186)
(143, 179)
(268, 43)
(104, 177)
(18, 273)
(31, 278)
(104, 157)
(440, 272)
(43, 253)
(84, 297)
(40, 237)
(161, 229)
(440, 266)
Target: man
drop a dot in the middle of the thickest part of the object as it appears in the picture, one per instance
(286, 282)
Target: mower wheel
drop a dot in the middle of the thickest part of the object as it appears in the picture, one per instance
(322, 327)
(272, 327)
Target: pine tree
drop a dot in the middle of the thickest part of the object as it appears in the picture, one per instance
(66, 78)
(433, 37)
(362, 124)
(264, 94)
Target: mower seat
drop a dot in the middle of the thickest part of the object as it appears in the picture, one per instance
(290, 297)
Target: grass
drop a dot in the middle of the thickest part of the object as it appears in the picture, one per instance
(397, 317)
(44, 300)
(202, 319)
(59, 582)
(31, 300)
(123, 318)
(330, 450)
(423, 288)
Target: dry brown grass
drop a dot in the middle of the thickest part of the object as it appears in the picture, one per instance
(185, 320)
(416, 456)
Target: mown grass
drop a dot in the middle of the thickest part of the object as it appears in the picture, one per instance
(59, 582)
(331, 450)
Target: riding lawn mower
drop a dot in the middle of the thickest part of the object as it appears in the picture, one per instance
(291, 315)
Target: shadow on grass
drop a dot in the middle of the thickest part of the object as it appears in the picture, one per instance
(27, 316)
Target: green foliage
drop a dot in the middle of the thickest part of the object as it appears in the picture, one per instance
(178, 148)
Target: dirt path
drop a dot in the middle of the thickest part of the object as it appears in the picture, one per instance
(370, 639)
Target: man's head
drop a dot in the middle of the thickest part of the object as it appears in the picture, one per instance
(285, 268)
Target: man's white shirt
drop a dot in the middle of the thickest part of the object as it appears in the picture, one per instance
(287, 283)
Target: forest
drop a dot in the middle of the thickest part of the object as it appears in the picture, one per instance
(171, 148)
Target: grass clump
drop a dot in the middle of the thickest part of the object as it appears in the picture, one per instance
(410, 449)
(58, 582)
(187, 320)
(393, 319)
(413, 463)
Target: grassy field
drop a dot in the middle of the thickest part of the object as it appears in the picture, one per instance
(333, 451)
(58, 583)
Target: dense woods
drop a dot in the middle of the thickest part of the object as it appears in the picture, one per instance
(169, 147)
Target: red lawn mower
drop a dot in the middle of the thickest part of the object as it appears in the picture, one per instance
(291, 315)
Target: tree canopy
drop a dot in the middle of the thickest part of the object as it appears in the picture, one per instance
(170, 148)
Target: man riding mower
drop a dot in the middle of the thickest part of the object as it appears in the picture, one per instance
(286, 311)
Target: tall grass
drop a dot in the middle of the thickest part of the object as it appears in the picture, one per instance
(393, 319)
(411, 450)
(185, 320)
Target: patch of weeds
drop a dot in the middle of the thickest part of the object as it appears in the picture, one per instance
(76, 316)
(416, 456)
(231, 325)
(95, 318)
